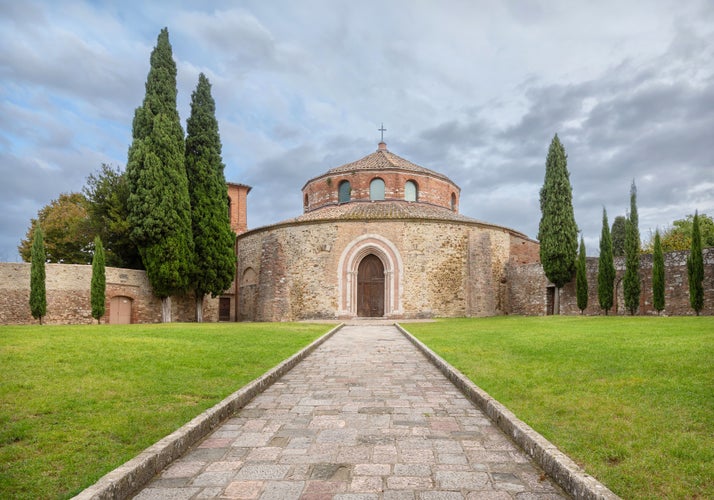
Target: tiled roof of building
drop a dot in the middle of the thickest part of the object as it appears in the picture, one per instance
(379, 210)
(383, 159)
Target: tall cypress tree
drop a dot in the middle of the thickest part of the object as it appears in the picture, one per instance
(159, 206)
(581, 279)
(606, 267)
(695, 268)
(619, 228)
(99, 281)
(658, 274)
(38, 290)
(557, 232)
(631, 280)
(212, 235)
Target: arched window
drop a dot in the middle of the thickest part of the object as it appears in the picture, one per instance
(376, 189)
(453, 202)
(344, 192)
(411, 193)
(305, 202)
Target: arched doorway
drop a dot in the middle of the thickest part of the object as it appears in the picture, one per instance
(370, 287)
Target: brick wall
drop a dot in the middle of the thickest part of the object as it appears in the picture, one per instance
(323, 190)
(68, 296)
(528, 287)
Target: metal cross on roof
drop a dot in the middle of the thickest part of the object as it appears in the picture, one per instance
(383, 130)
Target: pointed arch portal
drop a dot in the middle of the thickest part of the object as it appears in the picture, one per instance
(370, 278)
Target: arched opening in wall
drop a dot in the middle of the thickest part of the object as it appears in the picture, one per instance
(392, 270)
(411, 191)
(120, 310)
(305, 202)
(370, 287)
(229, 208)
(453, 202)
(376, 189)
(248, 295)
(344, 192)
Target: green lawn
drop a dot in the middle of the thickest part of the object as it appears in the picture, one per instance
(629, 399)
(78, 401)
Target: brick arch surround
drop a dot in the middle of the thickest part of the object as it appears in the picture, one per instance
(350, 258)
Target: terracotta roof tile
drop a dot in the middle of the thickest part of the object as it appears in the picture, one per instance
(383, 159)
(378, 210)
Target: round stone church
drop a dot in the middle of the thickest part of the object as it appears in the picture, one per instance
(380, 237)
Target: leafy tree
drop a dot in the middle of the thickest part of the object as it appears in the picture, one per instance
(678, 237)
(581, 279)
(619, 228)
(107, 191)
(159, 206)
(99, 281)
(213, 238)
(606, 267)
(66, 232)
(557, 232)
(38, 293)
(658, 275)
(631, 280)
(695, 268)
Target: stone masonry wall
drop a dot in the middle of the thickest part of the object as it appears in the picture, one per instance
(450, 269)
(528, 287)
(68, 296)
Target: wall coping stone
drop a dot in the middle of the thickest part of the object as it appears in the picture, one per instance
(127, 479)
(562, 469)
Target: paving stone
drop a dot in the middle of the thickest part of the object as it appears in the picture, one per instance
(365, 416)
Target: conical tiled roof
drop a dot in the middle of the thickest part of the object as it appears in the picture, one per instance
(383, 159)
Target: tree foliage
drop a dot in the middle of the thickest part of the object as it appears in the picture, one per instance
(67, 236)
(606, 268)
(38, 291)
(631, 280)
(678, 237)
(658, 275)
(619, 228)
(107, 192)
(99, 281)
(581, 279)
(213, 238)
(695, 268)
(557, 231)
(159, 206)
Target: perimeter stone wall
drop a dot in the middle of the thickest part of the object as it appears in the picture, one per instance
(528, 291)
(68, 296)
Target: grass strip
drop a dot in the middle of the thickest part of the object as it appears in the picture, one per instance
(78, 401)
(630, 399)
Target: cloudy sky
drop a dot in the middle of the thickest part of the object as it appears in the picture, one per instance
(474, 89)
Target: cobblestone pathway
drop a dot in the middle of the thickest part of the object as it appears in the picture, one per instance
(365, 416)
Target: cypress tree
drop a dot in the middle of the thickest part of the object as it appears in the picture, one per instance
(619, 228)
(606, 267)
(99, 281)
(213, 238)
(581, 279)
(695, 268)
(631, 280)
(658, 274)
(159, 206)
(38, 291)
(557, 231)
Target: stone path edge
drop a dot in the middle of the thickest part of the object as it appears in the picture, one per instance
(561, 468)
(131, 476)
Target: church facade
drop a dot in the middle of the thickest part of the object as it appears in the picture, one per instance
(380, 237)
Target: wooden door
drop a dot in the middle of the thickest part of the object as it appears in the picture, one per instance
(224, 309)
(370, 287)
(120, 310)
